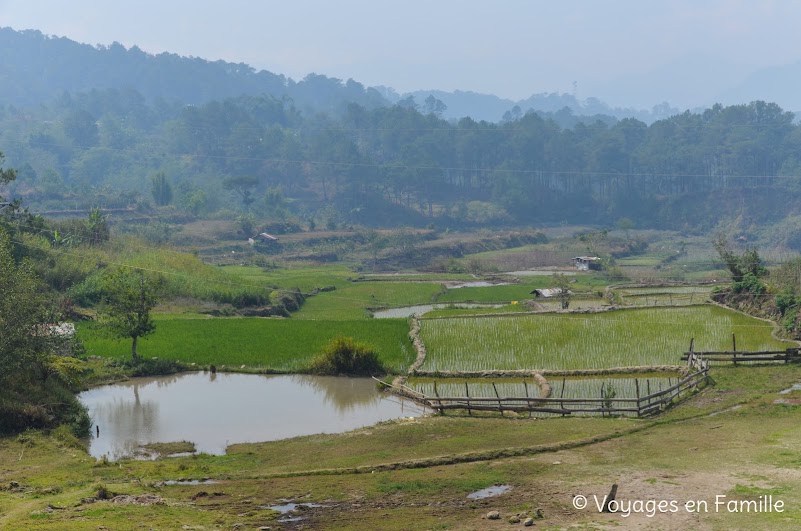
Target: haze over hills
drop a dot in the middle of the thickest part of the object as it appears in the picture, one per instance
(37, 68)
(779, 83)
(80, 123)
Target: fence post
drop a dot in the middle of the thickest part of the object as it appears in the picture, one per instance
(603, 404)
(734, 348)
(439, 402)
(467, 394)
(637, 388)
(562, 395)
(528, 403)
(500, 407)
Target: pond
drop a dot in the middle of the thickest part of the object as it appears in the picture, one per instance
(408, 311)
(474, 284)
(215, 410)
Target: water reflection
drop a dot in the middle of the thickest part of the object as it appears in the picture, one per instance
(408, 311)
(343, 394)
(215, 410)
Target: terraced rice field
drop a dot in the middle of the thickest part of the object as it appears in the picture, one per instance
(477, 387)
(666, 296)
(624, 338)
(623, 385)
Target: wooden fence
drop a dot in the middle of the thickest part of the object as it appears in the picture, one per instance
(640, 406)
(789, 355)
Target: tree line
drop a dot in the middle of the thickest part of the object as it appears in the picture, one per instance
(403, 164)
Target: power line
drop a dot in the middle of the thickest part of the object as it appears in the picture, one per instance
(544, 173)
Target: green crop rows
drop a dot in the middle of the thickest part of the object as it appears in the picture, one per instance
(588, 341)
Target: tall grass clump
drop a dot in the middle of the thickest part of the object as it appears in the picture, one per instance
(344, 355)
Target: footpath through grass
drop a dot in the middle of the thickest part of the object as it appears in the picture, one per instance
(282, 345)
(740, 454)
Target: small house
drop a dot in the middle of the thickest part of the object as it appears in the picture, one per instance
(267, 238)
(587, 263)
(547, 293)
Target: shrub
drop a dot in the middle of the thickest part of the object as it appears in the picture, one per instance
(151, 367)
(65, 435)
(344, 355)
(89, 291)
(749, 284)
(785, 300)
(790, 317)
(103, 493)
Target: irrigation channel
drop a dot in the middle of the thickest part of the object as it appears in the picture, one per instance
(213, 410)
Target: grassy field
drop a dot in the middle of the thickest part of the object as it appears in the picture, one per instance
(686, 454)
(588, 341)
(515, 292)
(184, 273)
(306, 278)
(666, 296)
(276, 344)
(353, 300)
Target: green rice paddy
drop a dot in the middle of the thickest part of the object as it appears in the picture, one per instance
(665, 296)
(588, 341)
(352, 300)
(283, 345)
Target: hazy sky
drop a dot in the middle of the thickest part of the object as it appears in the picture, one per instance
(511, 48)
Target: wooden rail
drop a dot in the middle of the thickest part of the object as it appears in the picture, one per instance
(788, 355)
(697, 374)
(640, 406)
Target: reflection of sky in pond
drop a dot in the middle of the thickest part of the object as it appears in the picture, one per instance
(408, 311)
(214, 410)
(476, 284)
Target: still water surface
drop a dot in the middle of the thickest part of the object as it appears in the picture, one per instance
(215, 410)
(408, 311)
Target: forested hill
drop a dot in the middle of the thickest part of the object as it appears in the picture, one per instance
(491, 108)
(36, 68)
(398, 165)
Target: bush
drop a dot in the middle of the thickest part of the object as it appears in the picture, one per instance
(344, 355)
(41, 405)
(67, 435)
(151, 367)
(291, 300)
(103, 493)
(749, 284)
(785, 300)
(89, 291)
(790, 318)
